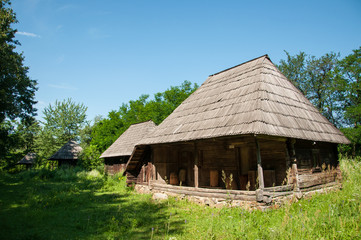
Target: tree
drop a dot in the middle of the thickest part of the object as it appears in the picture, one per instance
(63, 121)
(316, 78)
(106, 131)
(294, 68)
(323, 92)
(17, 90)
(164, 103)
(350, 85)
(334, 87)
(20, 141)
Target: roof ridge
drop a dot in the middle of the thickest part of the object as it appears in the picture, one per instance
(150, 120)
(265, 55)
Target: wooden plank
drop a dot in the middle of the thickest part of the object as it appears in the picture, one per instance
(321, 186)
(259, 166)
(209, 195)
(316, 176)
(279, 188)
(196, 177)
(317, 182)
(277, 194)
(207, 190)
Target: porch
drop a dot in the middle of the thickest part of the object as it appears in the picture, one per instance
(247, 168)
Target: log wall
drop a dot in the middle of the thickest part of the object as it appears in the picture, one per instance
(237, 156)
(114, 165)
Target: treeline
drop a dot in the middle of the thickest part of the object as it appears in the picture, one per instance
(66, 120)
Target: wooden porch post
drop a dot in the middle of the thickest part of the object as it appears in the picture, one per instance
(195, 165)
(259, 191)
(294, 170)
(149, 172)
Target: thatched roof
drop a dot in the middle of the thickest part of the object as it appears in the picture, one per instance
(250, 98)
(70, 151)
(28, 159)
(125, 144)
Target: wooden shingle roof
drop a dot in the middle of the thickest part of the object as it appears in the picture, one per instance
(250, 98)
(125, 144)
(28, 159)
(70, 151)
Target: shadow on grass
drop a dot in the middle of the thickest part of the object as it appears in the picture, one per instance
(70, 210)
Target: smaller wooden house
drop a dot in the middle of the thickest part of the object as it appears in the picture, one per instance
(28, 160)
(118, 154)
(67, 154)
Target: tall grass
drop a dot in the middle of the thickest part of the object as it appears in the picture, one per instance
(76, 204)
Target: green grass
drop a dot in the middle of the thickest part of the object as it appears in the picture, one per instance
(73, 204)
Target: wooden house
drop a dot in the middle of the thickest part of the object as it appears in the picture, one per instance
(67, 154)
(28, 160)
(247, 129)
(118, 154)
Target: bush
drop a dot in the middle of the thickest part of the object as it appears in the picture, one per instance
(89, 158)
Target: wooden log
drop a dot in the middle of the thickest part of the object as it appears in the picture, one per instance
(259, 167)
(316, 182)
(279, 188)
(207, 194)
(297, 191)
(259, 191)
(316, 176)
(196, 178)
(149, 172)
(327, 185)
(154, 173)
(277, 194)
(206, 190)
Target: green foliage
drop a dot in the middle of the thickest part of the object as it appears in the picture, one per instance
(316, 78)
(89, 158)
(76, 204)
(106, 131)
(65, 119)
(294, 68)
(354, 135)
(334, 87)
(17, 90)
(20, 141)
(323, 91)
(350, 84)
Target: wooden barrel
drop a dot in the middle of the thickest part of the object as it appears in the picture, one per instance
(182, 175)
(213, 176)
(173, 179)
(243, 180)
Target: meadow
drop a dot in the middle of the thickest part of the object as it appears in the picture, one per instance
(75, 204)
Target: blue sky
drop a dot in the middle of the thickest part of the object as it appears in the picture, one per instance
(105, 53)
